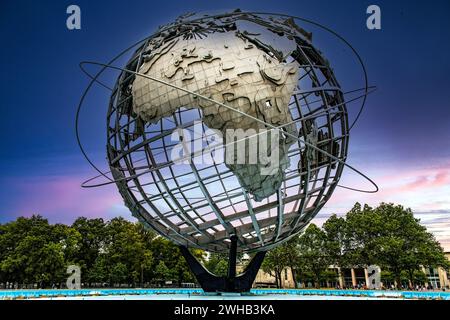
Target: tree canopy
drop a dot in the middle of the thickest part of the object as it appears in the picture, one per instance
(33, 251)
(113, 252)
(388, 236)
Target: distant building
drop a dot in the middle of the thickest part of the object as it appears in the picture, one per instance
(350, 278)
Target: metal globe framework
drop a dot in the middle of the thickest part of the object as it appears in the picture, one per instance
(202, 206)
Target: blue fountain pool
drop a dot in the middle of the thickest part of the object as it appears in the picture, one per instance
(198, 294)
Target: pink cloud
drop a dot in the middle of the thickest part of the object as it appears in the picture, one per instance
(442, 178)
(404, 182)
(421, 189)
(419, 182)
(429, 180)
(62, 199)
(438, 175)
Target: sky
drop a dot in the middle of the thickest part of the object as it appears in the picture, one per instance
(402, 140)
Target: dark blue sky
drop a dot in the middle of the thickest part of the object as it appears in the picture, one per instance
(405, 129)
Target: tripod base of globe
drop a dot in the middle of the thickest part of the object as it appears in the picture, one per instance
(229, 283)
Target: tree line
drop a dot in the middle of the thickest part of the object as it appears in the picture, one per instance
(388, 236)
(109, 253)
(32, 251)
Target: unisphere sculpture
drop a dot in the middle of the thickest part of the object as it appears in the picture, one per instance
(254, 74)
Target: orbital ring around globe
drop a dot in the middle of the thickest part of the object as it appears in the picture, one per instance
(112, 181)
(123, 52)
(234, 71)
(109, 65)
(86, 184)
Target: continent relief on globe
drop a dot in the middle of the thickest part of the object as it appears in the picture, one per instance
(228, 69)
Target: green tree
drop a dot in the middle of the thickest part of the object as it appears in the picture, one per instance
(32, 252)
(124, 245)
(119, 251)
(328, 276)
(146, 264)
(51, 264)
(70, 240)
(404, 245)
(364, 228)
(92, 237)
(420, 278)
(99, 272)
(337, 242)
(312, 253)
(221, 268)
(387, 277)
(167, 251)
(274, 264)
(217, 263)
(162, 272)
(387, 235)
(119, 273)
(291, 252)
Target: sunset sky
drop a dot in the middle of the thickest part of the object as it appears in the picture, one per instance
(402, 140)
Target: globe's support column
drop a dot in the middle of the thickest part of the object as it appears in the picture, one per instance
(231, 276)
(230, 283)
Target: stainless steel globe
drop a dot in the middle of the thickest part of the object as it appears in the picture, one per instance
(230, 71)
